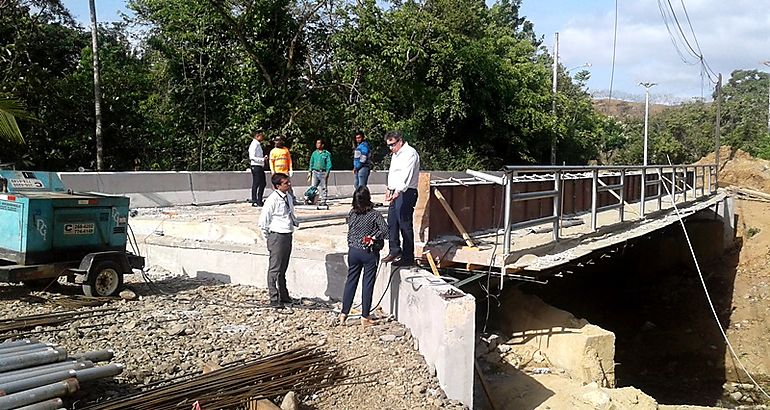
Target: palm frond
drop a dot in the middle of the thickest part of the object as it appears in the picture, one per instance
(10, 109)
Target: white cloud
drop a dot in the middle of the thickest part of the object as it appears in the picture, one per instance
(732, 35)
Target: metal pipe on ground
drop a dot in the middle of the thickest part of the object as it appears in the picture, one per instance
(25, 348)
(32, 359)
(28, 372)
(101, 372)
(84, 375)
(15, 343)
(104, 355)
(50, 391)
(53, 404)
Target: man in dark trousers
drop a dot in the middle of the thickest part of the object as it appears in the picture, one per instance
(403, 177)
(277, 223)
(257, 161)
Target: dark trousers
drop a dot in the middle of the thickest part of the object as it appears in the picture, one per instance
(400, 217)
(279, 246)
(359, 259)
(257, 183)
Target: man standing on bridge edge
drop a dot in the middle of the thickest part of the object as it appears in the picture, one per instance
(320, 165)
(257, 162)
(403, 177)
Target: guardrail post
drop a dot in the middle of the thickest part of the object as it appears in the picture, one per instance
(507, 217)
(694, 183)
(660, 188)
(557, 186)
(673, 184)
(622, 194)
(594, 198)
(685, 179)
(643, 193)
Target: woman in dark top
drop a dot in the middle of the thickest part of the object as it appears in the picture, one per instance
(367, 232)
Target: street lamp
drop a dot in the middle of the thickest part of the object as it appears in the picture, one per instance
(647, 87)
(767, 64)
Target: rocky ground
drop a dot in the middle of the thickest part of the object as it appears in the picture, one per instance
(194, 324)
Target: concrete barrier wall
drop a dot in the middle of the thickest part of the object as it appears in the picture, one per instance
(162, 189)
(444, 328)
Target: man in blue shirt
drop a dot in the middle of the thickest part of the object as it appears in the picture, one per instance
(362, 163)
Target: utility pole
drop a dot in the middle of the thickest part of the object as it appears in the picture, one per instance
(553, 104)
(717, 130)
(647, 87)
(97, 90)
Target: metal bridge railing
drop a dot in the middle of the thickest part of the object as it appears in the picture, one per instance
(676, 178)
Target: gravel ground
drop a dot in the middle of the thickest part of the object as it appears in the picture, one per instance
(194, 323)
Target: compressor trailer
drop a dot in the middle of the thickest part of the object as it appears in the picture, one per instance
(47, 231)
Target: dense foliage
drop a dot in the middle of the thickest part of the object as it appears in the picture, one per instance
(469, 84)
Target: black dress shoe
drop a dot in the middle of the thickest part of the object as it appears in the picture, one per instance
(276, 304)
(391, 258)
(290, 301)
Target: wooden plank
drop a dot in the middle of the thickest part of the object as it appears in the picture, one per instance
(454, 218)
(422, 209)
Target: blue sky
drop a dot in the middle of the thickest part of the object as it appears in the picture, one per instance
(732, 34)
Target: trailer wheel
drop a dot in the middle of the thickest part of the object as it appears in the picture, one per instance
(105, 279)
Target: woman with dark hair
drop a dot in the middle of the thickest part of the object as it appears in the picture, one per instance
(367, 232)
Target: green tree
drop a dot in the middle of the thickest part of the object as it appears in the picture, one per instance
(744, 118)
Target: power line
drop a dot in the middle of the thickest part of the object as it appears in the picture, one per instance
(697, 54)
(664, 14)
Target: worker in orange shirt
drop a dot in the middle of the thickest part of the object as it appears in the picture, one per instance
(280, 158)
(280, 162)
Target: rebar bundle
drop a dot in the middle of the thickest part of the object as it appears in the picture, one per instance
(48, 319)
(300, 370)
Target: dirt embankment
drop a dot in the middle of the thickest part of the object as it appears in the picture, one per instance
(749, 329)
(739, 169)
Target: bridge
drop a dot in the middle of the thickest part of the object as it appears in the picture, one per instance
(529, 222)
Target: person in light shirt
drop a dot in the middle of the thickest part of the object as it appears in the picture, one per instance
(403, 176)
(257, 162)
(277, 222)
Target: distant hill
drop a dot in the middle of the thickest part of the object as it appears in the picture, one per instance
(627, 109)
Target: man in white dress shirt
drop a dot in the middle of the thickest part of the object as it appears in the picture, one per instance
(403, 176)
(257, 162)
(277, 222)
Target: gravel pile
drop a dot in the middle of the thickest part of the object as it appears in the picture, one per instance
(195, 325)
